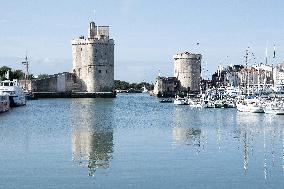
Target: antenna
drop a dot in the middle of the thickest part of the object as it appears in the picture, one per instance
(26, 63)
(94, 14)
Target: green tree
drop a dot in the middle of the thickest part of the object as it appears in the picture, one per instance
(42, 76)
(17, 74)
(3, 71)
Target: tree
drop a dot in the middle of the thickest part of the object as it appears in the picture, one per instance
(17, 74)
(13, 74)
(42, 76)
(3, 71)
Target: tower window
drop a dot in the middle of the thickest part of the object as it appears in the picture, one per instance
(81, 49)
(106, 71)
(100, 71)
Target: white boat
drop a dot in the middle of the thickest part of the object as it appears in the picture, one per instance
(144, 89)
(219, 104)
(194, 104)
(4, 103)
(180, 101)
(273, 108)
(14, 91)
(208, 104)
(229, 104)
(250, 106)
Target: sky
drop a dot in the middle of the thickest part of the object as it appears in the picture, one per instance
(147, 33)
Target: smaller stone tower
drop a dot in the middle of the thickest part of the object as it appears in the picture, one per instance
(93, 59)
(187, 69)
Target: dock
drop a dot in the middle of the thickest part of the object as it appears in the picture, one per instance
(74, 95)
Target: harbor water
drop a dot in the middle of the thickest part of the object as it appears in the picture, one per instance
(133, 141)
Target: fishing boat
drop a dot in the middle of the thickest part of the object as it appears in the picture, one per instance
(4, 103)
(274, 108)
(14, 91)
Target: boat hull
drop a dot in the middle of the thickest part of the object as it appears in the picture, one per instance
(252, 109)
(275, 112)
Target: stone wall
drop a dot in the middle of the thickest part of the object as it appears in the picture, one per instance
(93, 60)
(166, 86)
(187, 69)
(62, 82)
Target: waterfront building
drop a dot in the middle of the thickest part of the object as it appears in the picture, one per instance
(278, 74)
(166, 86)
(187, 69)
(93, 59)
(257, 76)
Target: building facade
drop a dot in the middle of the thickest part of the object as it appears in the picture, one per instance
(187, 69)
(93, 59)
(166, 86)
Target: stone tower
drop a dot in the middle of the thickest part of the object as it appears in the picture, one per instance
(187, 69)
(93, 59)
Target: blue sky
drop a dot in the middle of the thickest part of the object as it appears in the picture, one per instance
(147, 33)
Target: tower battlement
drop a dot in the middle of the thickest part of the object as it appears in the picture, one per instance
(93, 59)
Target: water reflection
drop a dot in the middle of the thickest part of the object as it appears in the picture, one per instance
(92, 133)
(255, 135)
(185, 131)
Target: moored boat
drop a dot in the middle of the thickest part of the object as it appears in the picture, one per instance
(14, 91)
(250, 106)
(180, 101)
(273, 108)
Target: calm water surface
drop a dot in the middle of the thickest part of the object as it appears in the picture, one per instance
(134, 141)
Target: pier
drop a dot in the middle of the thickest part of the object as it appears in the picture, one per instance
(74, 95)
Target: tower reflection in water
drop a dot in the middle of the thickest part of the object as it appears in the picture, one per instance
(184, 131)
(92, 133)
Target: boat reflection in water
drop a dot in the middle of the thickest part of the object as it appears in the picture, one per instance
(92, 133)
(255, 138)
(189, 136)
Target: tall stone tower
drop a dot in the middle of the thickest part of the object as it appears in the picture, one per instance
(93, 59)
(187, 69)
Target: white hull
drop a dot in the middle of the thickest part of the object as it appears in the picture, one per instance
(179, 102)
(16, 94)
(279, 111)
(249, 108)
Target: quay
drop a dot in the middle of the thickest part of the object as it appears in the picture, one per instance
(37, 95)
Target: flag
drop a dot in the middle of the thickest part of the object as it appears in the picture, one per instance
(274, 53)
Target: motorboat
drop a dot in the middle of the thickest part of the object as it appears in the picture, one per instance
(229, 104)
(166, 100)
(180, 101)
(252, 106)
(14, 91)
(219, 104)
(4, 103)
(208, 104)
(274, 108)
(194, 103)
